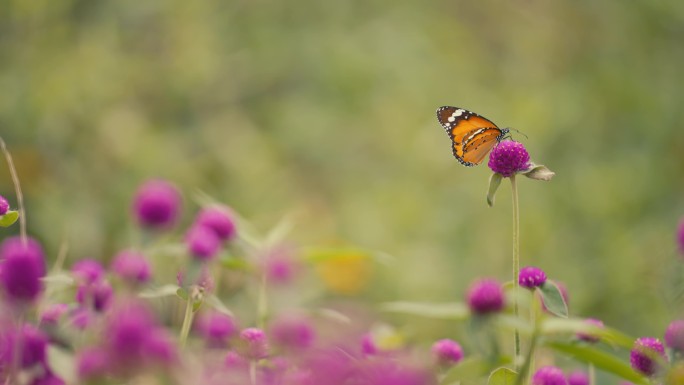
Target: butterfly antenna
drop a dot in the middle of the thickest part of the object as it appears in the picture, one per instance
(519, 132)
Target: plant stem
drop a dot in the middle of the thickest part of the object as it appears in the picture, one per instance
(187, 321)
(262, 305)
(17, 189)
(516, 264)
(592, 375)
(252, 372)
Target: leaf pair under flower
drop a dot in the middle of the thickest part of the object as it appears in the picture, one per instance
(537, 172)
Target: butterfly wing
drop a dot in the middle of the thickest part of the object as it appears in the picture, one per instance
(472, 135)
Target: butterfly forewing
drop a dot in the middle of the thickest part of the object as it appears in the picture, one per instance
(465, 127)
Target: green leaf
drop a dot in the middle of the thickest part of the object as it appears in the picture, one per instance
(467, 371)
(494, 182)
(59, 279)
(448, 311)
(601, 360)
(196, 305)
(218, 305)
(9, 218)
(161, 291)
(182, 294)
(502, 376)
(539, 172)
(577, 325)
(233, 263)
(62, 363)
(553, 299)
(333, 315)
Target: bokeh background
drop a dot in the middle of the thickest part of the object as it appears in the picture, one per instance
(324, 112)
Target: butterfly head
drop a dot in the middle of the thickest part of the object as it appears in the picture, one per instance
(505, 134)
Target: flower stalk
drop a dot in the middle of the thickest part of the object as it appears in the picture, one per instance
(516, 263)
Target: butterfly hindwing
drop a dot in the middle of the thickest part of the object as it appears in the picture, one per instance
(472, 135)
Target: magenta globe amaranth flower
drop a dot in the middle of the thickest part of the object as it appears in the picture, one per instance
(29, 342)
(447, 352)
(590, 337)
(531, 277)
(549, 375)
(295, 333)
(157, 204)
(219, 220)
(485, 296)
(96, 295)
(645, 353)
(53, 313)
(216, 328)
(680, 236)
(508, 158)
(23, 266)
(88, 270)
(578, 378)
(368, 345)
(253, 343)
(203, 243)
(674, 335)
(92, 363)
(132, 267)
(4, 205)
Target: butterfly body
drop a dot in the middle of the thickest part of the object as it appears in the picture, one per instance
(472, 136)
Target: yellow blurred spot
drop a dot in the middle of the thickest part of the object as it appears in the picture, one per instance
(387, 338)
(345, 273)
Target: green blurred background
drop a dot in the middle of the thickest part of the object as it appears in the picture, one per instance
(324, 111)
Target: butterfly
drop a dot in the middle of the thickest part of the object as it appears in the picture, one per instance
(472, 136)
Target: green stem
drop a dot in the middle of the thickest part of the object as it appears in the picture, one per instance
(592, 374)
(262, 305)
(516, 263)
(187, 321)
(17, 189)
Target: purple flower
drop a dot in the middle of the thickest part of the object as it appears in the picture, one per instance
(98, 295)
(53, 313)
(4, 205)
(485, 296)
(33, 346)
(219, 220)
(203, 243)
(88, 270)
(92, 363)
(674, 335)
(392, 373)
(48, 378)
(447, 352)
(292, 332)
(81, 318)
(368, 346)
(508, 158)
(680, 236)
(157, 204)
(531, 277)
(234, 361)
(280, 266)
(578, 378)
(132, 266)
(254, 343)
(22, 268)
(589, 337)
(549, 375)
(133, 340)
(644, 355)
(216, 328)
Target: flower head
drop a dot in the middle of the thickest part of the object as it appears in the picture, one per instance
(643, 356)
(53, 313)
(97, 295)
(368, 345)
(578, 378)
(92, 363)
(549, 375)
(589, 337)
(29, 342)
(254, 343)
(680, 236)
(22, 268)
(202, 242)
(293, 333)
(531, 277)
(132, 266)
(216, 328)
(4, 205)
(219, 220)
(485, 296)
(508, 158)
(674, 335)
(88, 270)
(157, 204)
(447, 352)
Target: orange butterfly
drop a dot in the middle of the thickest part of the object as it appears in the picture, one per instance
(472, 135)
